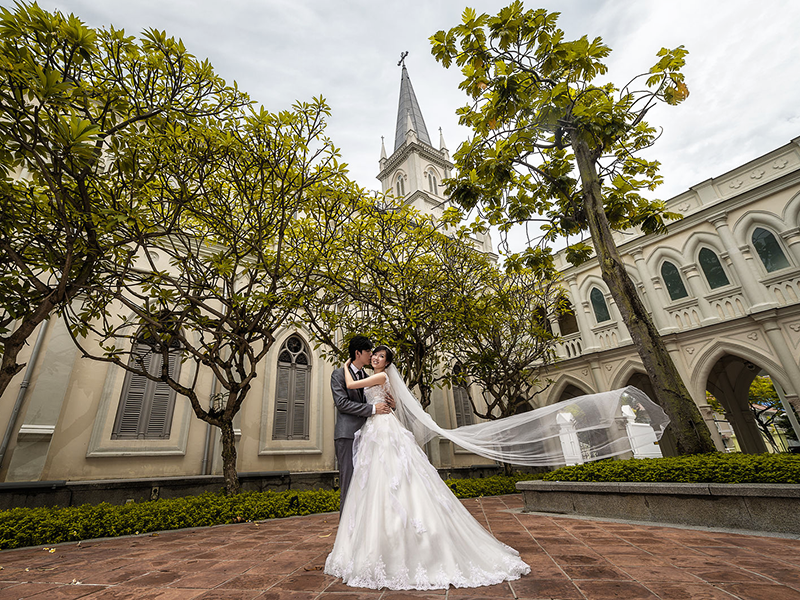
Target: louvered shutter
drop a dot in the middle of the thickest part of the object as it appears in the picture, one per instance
(463, 406)
(280, 429)
(300, 404)
(134, 395)
(159, 421)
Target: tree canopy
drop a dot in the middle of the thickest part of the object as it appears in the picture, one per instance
(76, 103)
(553, 146)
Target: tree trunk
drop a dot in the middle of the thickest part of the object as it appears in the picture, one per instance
(232, 486)
(17, 340)
(691, 433)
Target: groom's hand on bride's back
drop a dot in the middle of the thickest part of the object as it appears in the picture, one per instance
(390, 402)
(381, 408)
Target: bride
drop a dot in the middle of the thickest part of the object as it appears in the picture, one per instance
(401, 527)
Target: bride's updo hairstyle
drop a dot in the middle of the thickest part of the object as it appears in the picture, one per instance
(388, 351)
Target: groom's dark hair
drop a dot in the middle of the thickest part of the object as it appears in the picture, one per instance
(359, 342)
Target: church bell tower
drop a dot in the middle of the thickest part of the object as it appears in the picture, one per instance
(415, 170)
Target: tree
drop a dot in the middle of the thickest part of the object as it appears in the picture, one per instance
(71, 97)
(551, 146)
(506, 342)
(399, 277)
(249, 195)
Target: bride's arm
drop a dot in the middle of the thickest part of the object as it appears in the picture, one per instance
(352, 384)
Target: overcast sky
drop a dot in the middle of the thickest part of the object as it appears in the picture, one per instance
(742, 69)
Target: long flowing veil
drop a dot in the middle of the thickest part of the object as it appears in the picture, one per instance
(593, 427)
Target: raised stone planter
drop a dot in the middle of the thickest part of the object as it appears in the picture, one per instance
(747, 506)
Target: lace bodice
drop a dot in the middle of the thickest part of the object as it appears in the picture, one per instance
(378, 393)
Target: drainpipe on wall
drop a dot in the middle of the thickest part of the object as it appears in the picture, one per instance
(205, 468)
(23, 390)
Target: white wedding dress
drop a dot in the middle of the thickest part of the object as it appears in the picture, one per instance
(402, 528)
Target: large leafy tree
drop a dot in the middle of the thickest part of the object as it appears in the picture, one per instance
(70, 99)
(551, 145)
(251, 197)
(399, 277)
(505, 341)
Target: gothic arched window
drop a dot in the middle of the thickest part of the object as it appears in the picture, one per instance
(432, 182)
(712, 269)
(599, 305)
(673, 282)
(769, 250)
(464, 415)
(401, 186)
(146, 406)
(292, 393)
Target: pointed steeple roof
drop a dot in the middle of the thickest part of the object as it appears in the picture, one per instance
(408, 111)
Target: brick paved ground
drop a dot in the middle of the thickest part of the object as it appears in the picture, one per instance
(282, 559)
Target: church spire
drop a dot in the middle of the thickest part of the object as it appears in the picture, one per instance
(408, 111)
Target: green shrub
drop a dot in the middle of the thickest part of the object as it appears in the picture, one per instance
(52, 525)
(497, 485)
(716, 467)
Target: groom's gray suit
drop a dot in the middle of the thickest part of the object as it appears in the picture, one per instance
(352, 411)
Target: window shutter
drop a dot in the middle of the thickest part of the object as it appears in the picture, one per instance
(300, 404)
(463, 406)
(159, 421)
(134, 393)
(280, 430)
(146, 407)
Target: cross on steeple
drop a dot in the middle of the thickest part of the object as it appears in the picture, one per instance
(402, 61)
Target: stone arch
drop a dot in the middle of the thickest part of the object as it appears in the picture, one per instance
(727, 370)
(585, 290)
(561, 389)
(588, 283)
(695, 245)
(743, 228)
(791, 212)
(663, 254)
(713, 352)
(624, 372)
(700, 239)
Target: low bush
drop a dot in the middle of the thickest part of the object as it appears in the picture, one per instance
(52, 525)
(716, 467)
(497, 485)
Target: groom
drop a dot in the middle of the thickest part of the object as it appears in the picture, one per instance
(352, 409)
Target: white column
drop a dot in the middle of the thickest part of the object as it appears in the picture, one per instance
(753, 290)
(624, 334)
(792, 239)
(774, 333)
(580, 314)
(656, 308)
(698, 290)
(553, 320)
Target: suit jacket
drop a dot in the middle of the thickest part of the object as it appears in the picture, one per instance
(352, 410)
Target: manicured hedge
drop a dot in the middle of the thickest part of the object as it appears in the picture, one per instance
(498, 485)
(716, 467)
(52, 525)
(35, 526)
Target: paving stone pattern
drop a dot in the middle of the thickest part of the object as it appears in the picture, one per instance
(282, 560)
